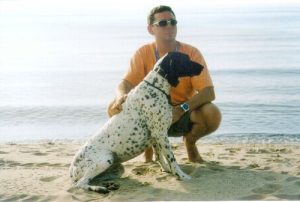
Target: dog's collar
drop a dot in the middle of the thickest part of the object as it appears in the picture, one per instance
(167, 95)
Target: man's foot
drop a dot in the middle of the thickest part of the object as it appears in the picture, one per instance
(193, 153)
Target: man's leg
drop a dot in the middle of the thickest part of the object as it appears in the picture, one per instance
(148, 154)
(206, 120)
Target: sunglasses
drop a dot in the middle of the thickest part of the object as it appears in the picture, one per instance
(164, 23)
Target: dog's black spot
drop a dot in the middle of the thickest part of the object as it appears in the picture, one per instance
(76, 161)
(153, 94)
(135, 128)
(147, 97)
(109, 161)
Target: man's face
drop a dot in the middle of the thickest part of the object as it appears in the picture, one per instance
(164, 33)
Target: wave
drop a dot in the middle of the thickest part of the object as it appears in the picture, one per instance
(258, 71)
(52, 114)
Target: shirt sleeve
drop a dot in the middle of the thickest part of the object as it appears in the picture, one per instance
(203, 80)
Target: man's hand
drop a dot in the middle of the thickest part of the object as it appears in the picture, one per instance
(116, 106)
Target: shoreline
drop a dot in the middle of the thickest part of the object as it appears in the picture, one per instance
(230, 172)
(220, 138)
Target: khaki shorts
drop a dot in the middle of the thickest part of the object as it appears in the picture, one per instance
(181, 127)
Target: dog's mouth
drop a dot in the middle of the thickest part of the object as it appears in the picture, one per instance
(196, 68)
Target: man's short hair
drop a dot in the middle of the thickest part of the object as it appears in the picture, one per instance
(158, 9)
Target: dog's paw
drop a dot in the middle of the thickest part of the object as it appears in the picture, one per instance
(184, 177)
(99, 189)
(111, 186)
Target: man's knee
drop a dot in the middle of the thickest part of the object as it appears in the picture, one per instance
(207, 115)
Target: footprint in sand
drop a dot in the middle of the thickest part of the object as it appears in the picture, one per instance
(233, 150)
(28, 164)
(162, 179)
(146, 169)
(267, 189)
(224, 156)
(258, 151)
(253, 165)
(40, 154)
(270, 178)
(139, 171)
(288, 197)
(50, 164)
(252, 197)
(297, 183)
(213, 165)
(290, 179)
(9, 163)
(49, 179)
(23, 197)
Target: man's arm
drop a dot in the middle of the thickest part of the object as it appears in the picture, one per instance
(115, 106)
(203, 96)
(124, 88)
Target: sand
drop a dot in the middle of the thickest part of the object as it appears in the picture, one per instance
(39, 172)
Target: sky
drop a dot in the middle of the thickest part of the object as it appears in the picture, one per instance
(26, 24)
(93, 7)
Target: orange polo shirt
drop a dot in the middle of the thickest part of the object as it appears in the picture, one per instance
(144, 59)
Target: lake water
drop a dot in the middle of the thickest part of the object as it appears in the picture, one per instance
(59, 72)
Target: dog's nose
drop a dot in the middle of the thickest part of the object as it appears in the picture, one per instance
(196, 67)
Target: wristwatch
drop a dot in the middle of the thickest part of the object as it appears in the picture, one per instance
(185, 107)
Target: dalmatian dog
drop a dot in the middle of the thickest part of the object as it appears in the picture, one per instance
(143, 122)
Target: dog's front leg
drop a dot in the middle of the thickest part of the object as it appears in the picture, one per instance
(164, 145)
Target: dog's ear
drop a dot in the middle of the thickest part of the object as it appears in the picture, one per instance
(168, 64)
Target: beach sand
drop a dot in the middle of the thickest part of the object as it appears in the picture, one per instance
(39, 172)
